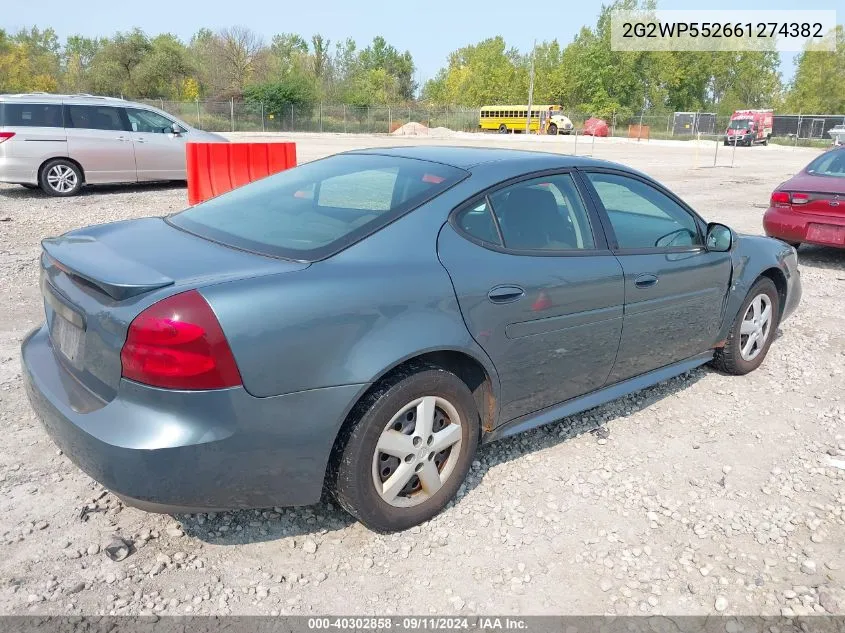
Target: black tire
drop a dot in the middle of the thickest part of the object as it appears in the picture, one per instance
(729, 358)
(503, 129)
(795, 245)
(552, 130)
(353, 473)
(55, 188)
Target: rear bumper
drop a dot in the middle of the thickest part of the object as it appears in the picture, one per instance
(169, 451)
(17, 170)
(793, 226)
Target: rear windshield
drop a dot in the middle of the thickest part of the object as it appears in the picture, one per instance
(30, 115)
(319, 208)
(831, 163)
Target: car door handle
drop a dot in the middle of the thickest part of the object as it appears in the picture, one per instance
(140, 140)
(122, 138)
(645, 281)
(505, 294)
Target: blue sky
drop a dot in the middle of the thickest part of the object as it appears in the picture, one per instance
(430, 29)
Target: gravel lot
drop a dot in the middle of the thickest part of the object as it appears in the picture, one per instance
(705, 494)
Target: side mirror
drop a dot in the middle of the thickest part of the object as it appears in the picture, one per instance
(175, 128)
(719, 238)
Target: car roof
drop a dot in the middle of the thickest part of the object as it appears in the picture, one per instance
(472, 158)
(81, 99)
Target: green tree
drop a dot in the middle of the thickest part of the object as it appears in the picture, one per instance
(29, 61)
(381, 56)
(114, 66)
(277, 97)
(320, 58)
(289, 51)
(818, 87)
(483, 73)
(77, 59)
(163, 70)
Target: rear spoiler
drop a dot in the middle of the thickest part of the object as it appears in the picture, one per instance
(89, 259)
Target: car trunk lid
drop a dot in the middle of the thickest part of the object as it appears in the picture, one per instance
(819, 195)
(95, 281)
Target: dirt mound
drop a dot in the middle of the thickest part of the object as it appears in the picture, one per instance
(418, 129)
(411, 128)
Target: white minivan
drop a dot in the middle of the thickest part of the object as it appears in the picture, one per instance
(62, 142)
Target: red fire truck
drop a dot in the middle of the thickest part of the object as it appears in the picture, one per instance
(749, 126)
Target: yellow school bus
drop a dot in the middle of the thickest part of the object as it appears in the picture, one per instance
(511, 118)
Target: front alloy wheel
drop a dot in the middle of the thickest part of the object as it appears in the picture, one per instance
(756, 327)
(752, 331)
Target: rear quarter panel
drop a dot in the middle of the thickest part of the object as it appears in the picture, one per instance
(24, 153)
(350, 318)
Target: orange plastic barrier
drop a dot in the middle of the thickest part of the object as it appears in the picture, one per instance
(215, 168)
(638, 131)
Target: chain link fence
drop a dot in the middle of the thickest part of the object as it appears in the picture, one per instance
(239, 116)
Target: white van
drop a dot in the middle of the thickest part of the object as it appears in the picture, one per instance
(62, 142)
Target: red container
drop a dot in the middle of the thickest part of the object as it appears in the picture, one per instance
(215, 168)
(595, 127)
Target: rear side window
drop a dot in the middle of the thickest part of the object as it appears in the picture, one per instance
(477, 221)
(313, 211)
(544, 214)
(831, 163)
(95, 117)
(30, 115)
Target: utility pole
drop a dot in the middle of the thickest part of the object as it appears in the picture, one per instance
(530, 90)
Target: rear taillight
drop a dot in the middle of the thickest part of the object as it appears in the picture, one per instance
(177, 343)
(780, 199)
(5, 136)
(800, 198)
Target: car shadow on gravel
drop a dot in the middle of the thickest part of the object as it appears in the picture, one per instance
(822, 257)
(22, 193)
(254, 526)
(593, 421)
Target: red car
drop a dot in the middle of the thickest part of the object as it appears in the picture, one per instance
(809, 208)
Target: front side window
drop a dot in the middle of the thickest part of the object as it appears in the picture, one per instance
(312, 211)
(30, 115)
(149, 122)
(642, 216)
(95, 117)
(544, 214)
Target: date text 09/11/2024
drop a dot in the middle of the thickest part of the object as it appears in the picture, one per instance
(417, 623)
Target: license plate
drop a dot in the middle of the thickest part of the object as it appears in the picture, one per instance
(67, 338)
(826, 233)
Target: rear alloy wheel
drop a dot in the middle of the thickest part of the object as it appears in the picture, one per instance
(61, 178)
(503, 129)
(409, 451)
(752, 332)
(552, 129)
